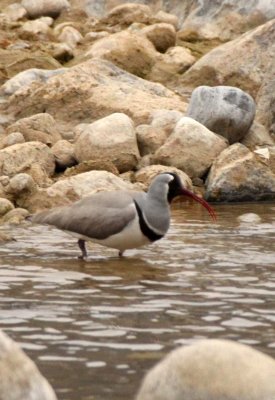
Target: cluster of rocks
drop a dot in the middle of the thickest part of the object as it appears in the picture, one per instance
(99, 98)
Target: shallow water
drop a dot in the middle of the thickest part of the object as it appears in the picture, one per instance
(95, 327)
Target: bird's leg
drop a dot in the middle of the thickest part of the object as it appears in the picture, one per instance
(81, 244)
(120, 253)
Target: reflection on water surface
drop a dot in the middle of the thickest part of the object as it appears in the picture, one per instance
(94, 328)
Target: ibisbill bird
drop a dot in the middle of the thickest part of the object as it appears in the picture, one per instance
(121, 219)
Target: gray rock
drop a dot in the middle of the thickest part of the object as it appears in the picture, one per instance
(211, 370)
(240, 175)
(225, 110)
(20, 378)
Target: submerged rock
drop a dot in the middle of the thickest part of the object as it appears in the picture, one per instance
(225, 110)
(211, 370)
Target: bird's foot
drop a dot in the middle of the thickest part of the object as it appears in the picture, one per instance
(120, 253)
(84, 254)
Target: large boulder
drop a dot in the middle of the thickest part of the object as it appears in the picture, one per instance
(242, 62)
(20, 378)
(240, 175)
(220, 19)
(211, 370)
(38, 127)
(191, 147)
(22, 157)
(111, 138)
(225, 110)
(128, 50)
(93, 90)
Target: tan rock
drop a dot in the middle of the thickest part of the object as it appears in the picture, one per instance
(20, 183)
(94, 36)
(39, 127)
(214, 69)
(63, 152)
(175, 61)
(165, 119)
(128, 50)
(240, 175)
(206, 369)
(5, 206)
(100, 87)
(20, 157)
(191, 147)
(11, 139)
(111, 138)
(92, 165)
(145, 175)
(162, 35)
(15, 217)
(257, 136)
(70, 36)
(126, 14)
(36, 27)
(20, 375)
(149, 138)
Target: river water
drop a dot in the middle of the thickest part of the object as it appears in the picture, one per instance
(94, 328)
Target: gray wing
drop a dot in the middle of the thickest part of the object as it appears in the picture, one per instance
(97, 216)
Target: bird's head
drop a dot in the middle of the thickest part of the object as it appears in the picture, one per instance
(176, 188)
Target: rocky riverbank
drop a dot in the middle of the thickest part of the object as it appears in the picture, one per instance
(102, 95)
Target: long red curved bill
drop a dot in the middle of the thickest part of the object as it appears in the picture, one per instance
(204, 203)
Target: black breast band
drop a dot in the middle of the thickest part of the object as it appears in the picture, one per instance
(145, 229)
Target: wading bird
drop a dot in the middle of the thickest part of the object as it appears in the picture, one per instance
(121, 219)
